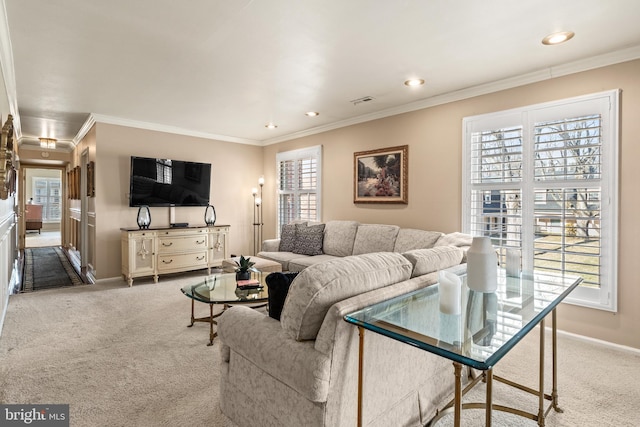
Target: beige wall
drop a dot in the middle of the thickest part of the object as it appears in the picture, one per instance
(235, 170)
(434, 136)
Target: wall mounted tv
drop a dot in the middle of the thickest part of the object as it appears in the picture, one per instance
(166, 182)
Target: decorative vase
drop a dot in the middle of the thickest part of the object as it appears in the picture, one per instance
(144, 217)
(210, 215)
(243, 275)
(482, 265)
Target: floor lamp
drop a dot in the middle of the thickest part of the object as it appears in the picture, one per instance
(257, 217)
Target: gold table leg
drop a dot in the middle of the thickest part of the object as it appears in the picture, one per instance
(457, 404)
(360, 372)
(489, 398)
(208, 319)
(541, 380)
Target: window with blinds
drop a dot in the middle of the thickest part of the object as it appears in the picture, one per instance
(299, 177)
(46, 192)
(543, 180)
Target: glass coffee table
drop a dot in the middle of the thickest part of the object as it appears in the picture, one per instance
(222, 289)
(487, 327)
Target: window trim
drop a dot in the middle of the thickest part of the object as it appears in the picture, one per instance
(606, 297)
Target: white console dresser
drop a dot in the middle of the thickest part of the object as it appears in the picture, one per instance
(157, 251)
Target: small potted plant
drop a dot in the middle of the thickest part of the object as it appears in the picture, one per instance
(244, 269)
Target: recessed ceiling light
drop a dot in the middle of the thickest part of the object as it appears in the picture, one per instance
(270, 126)
(312, 113)
(557, 38)
(414, 82)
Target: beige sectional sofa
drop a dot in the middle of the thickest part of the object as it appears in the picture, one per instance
(303, 370)
(344, 238)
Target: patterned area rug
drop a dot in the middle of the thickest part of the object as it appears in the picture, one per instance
(46, 268)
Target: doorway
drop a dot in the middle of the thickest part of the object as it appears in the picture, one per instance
(43, 207)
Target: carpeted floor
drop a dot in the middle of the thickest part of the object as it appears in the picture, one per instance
(46, 268)
(124, 356)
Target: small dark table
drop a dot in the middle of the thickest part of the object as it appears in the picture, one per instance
(223, 289)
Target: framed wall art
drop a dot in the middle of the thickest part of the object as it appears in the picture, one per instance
(381, 176)
(91, 179)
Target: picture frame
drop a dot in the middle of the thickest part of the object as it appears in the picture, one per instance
(91, 186)
(381, 175)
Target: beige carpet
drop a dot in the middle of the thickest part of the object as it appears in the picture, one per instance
(123, 356)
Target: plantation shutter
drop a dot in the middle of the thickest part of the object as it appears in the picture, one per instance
(543, 179)
(298, 185)
(568, 171)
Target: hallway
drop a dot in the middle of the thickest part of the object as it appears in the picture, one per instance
(42, 239)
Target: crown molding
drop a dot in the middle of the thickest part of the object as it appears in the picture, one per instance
(84, 130)
(611, 58)
(99, 118)
(8, 70)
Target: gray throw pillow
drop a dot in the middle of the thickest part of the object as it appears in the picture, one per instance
(309, 239)
(287, 238)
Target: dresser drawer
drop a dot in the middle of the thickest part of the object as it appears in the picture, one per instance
(189, 261)
(182, 244)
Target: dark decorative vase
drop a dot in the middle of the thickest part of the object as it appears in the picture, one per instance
(144, 217)
(243, 275)
(210, 215)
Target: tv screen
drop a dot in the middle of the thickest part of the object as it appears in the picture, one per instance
(166, 182)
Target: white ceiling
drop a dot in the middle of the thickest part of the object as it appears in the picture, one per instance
(223, 69)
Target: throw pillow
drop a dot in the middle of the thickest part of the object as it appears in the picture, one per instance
(309, 239)
(278, 284)
(287, 238)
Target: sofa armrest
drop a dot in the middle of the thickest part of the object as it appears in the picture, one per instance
(270, 245)
(262, 341)
(334, 322)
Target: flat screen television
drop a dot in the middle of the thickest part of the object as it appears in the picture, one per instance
(166, 182)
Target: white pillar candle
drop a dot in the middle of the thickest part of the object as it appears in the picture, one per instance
(449, 292)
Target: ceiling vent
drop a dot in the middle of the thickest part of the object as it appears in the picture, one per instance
(361, 100)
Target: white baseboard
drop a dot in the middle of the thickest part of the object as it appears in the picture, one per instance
(603, 343)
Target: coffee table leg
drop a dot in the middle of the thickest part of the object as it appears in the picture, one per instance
(192, 316)
(457, 400)
(211, 322)
(554, 341)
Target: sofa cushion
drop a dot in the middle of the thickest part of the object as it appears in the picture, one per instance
(300, 263)
(375, 238)
(287, 238)
(308, 239)
(410, 238)
(339, 237)
(426, 261)
(320, 286)
(282, 257)
(458, 239)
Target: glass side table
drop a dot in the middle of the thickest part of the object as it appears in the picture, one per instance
(488, 327)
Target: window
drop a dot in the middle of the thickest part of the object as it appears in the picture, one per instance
(299, 178)
(46, 192)
(543, 179)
